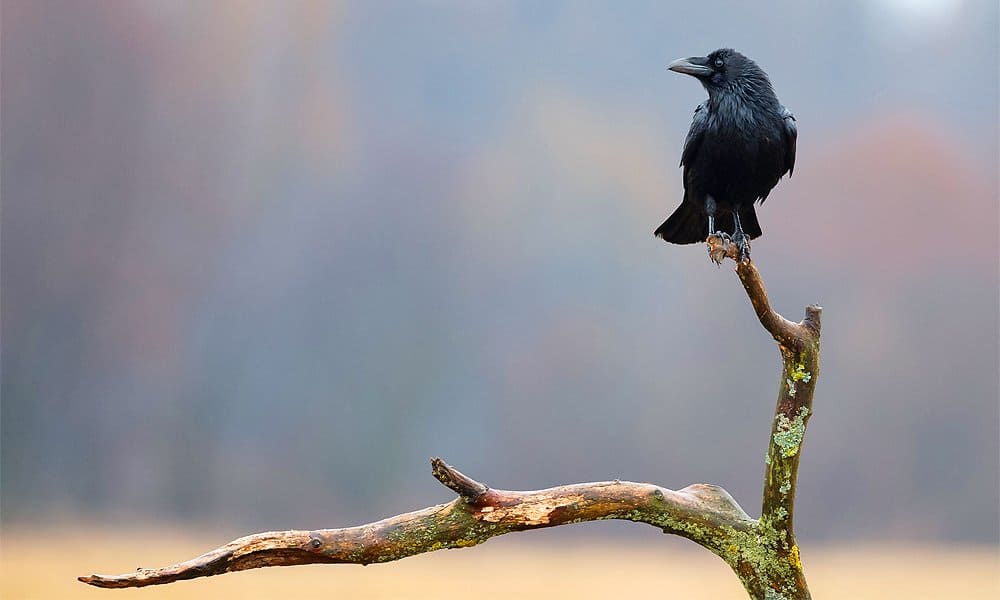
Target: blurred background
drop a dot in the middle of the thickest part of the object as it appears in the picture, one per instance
(260, 260)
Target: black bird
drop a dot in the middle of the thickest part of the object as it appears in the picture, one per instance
(741, 142)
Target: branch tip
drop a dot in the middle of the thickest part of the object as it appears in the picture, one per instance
(813, 319)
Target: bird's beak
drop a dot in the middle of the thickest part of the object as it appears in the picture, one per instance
(696, 66)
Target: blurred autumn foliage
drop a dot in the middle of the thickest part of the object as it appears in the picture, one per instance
(255, 251)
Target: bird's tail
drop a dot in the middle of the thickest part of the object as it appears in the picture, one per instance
(748, 219)
(687, 225)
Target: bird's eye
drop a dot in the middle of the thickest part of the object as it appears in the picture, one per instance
(718, 63)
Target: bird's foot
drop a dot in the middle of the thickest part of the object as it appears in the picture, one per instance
(743, 244)
(718, 244)
(722, 245)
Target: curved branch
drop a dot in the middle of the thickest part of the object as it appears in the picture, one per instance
(786, 333)
(703, 513)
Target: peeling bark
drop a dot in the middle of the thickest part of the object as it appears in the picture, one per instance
(762, 552)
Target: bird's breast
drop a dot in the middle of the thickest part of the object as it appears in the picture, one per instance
(740, 158)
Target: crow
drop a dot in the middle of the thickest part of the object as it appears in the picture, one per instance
(741, 142)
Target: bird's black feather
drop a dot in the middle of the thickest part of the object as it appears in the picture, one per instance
(741, 142)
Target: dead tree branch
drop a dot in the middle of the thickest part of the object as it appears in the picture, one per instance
(763, 552)
(703, 513)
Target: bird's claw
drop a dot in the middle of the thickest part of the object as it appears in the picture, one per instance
(717, 251)
(743, 243)
(721, 245)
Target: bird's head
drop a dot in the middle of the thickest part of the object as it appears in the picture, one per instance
(722, 70)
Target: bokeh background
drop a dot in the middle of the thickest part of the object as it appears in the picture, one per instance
(260, 260)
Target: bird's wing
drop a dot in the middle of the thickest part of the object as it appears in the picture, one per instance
(698, 125)
(791, 134)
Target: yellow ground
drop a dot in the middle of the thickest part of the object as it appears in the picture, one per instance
(45, 564)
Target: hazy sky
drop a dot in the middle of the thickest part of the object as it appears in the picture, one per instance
(255, 247)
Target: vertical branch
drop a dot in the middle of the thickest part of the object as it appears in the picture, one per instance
(800, 368)
(798, 344)
(781, 576)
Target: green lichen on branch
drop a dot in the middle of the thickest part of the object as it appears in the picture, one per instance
(766, 559)
(800, 373)
(797, 375)
(788, 433)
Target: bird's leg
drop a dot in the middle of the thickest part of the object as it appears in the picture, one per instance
(740, 238)
(710, 207)
(722, 236)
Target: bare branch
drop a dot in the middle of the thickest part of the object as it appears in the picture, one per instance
(786, 333)
(798, 344)
(703, 513)
(763, 553)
